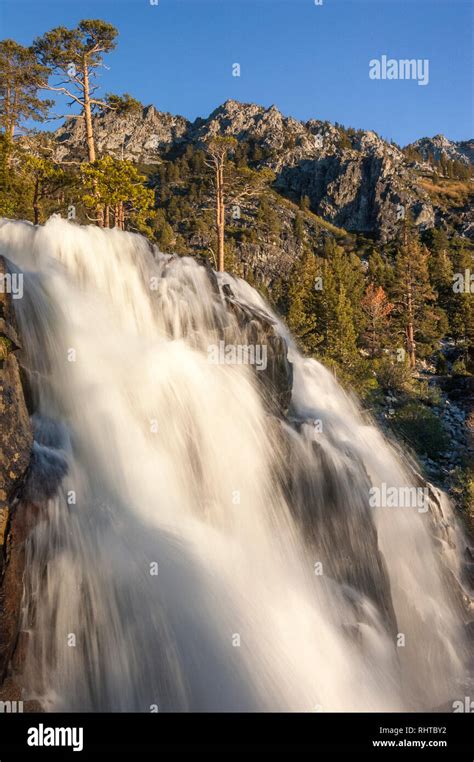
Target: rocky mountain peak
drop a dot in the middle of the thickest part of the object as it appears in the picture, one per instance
(353, 179)
(439, 146)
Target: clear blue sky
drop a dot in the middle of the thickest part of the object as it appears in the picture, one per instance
(310, 61)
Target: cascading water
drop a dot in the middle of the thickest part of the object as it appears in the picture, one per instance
(202, 551)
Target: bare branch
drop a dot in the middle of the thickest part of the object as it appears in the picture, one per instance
(54, 117)
(45, 86)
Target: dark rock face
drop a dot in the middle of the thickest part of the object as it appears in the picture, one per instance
(276, 378)
(15, 451)
(16, 440)
(330, 506)
(12, 641)
(359, 191)
(357, 183)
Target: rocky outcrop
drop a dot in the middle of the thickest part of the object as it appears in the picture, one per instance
(255, 329)
(16, 439)
(353, 179)
(15, 450)
(136, 136)
(440, 147)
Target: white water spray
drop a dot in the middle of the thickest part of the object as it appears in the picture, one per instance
(203, 553)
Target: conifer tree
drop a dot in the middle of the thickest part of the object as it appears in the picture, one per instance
(345, 269)
(302, 299)
(231, 185)
(72, 57)
(379, 270)
(440, 266)
(335, 317)
(115, 189)
(19, 76)
(461, 307)
(341, 337)
(413, 294)
(46, 178)
(299, 227)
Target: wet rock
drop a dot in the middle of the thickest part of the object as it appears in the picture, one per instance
(16, 441)
(16, 435)
(255, 329)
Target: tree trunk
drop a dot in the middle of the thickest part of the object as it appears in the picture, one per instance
(374, 340)
(411, 344)
(9, 126)
(36, 210)
(107, 216)
(13, 117)
(87, 113)
(90, 133)
(220, 217)
(410, 328)
(9, 110)
(410, 331)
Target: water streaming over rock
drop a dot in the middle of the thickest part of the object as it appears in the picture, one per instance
(278, 586)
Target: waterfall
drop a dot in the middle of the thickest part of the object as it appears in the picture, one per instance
(201, 547)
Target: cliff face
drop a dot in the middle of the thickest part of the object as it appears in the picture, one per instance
(353, 180)
(17, 438)
(136, 136)
(15, 450)
(439, 147)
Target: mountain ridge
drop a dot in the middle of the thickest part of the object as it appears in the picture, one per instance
(353, 179)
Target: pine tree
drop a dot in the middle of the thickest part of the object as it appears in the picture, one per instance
(461, 306)
(13, 188)
(232, 184)
(115, 189)
(302, 300)
(440, 266)
(335, 319)
(46, 178)
(163, 232)
(346, 270)
(379, 270)
(341, 337)
(122, 104)
(20, 73)
(268, 217)
(73, 56)
(413, 295)
(299, 227)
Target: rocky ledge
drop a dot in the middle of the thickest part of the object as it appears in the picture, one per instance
(16, 517)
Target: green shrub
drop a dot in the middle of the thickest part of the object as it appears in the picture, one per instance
(421, 428)
(392, 376)
(459, 368)
(441, 364)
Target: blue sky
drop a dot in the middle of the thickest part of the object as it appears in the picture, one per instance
(310, 61)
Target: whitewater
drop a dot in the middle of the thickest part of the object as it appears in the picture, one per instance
(201, 551)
